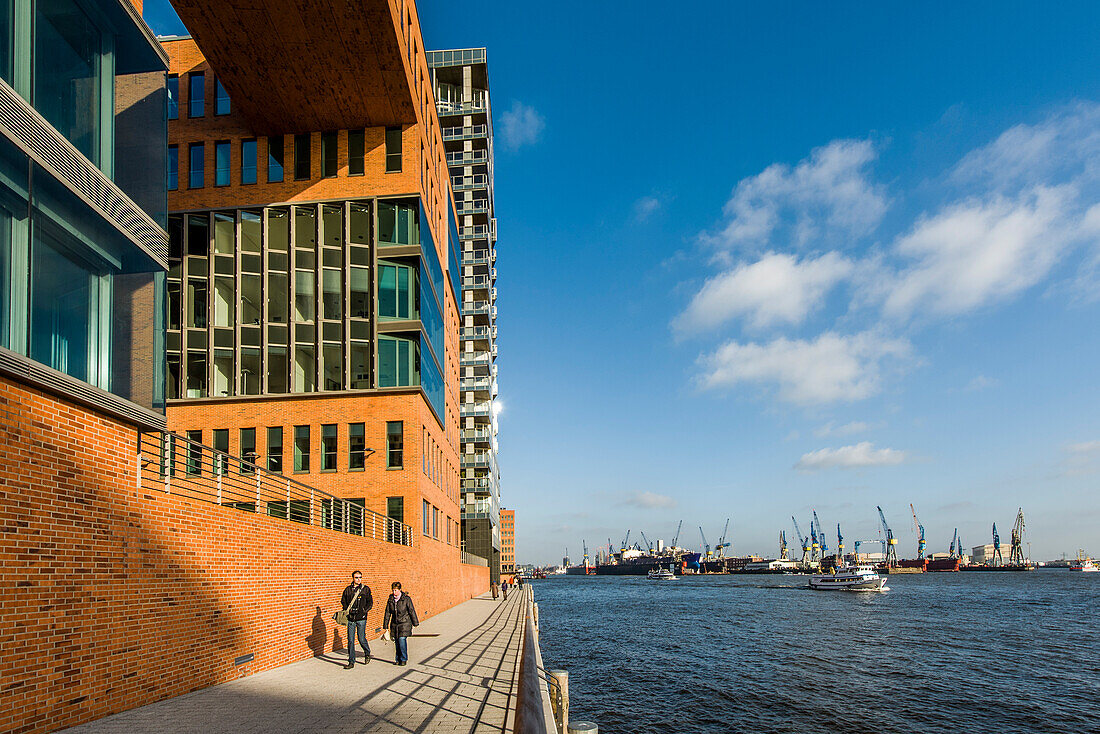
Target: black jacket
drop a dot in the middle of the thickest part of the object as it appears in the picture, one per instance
(362, 605)
(400, 616)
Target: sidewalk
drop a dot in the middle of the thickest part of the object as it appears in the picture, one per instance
(460, 678)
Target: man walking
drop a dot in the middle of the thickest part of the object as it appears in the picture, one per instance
(504, 588)
(357, 601)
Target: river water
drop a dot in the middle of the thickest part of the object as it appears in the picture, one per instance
(941, 652)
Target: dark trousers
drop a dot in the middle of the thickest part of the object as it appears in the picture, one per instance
(402, 645)
(361, 628)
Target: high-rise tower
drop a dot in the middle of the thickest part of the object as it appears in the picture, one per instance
(461, 81)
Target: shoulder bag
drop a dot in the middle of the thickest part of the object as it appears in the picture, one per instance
(341, 616)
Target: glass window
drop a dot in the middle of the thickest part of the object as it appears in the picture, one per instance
(395, 444)
(277, 369)
(196, 163)
(424, 516)
(248, 450)
(359, 291)
(398, 224)
(328, 154)
(248, 161)
(305, 367)
(198, 235)
(305, 296)
(275, 159)
(398, 362)
(173, 97)
(223, 372)
(328, 447)
(221, 444)
(196, 93)
(333, 367)
(250, 371)
(360, 365)
(221, 163)
(67, 70)
(397, 292)
(196, 374)
(194, 452)
(301, 157)
(359, 225)
(356, 152)
(393, 149)
(332, 297)
(357, 446)
(275, 449)
(301, 448)
(173, 167)
(221, 98)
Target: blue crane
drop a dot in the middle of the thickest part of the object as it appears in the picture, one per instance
(626, 540)
(839, 545)
(820, 537)
(782, 546)
(997, 560)
(648, 545)
(803, 540)
(706, 545)
(815, 546)
(891, 541)
(718, 549)
(920, 533)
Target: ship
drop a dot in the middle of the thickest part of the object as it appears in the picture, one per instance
(636, 562)
(583, 570)
(943, 564)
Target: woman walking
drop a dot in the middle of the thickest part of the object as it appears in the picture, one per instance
(399, 619)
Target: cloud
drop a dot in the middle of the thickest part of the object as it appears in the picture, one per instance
(981, 382)
(850, 457)
(825, 195)
(1082, 459)
(645, 207)
(848, 429)
(1086, 448)
(520, 126)
(776, 289)
(831, 368)
(648, 501)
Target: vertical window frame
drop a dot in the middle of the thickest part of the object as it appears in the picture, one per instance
(395, 450)
(196, 104)
(192, 149)
(223, 163)
(250, 164)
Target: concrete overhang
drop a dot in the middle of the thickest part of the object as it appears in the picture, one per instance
(293, 66)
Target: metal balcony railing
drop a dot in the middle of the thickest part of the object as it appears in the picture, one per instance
(477, 281)
(476, 383)
(176, 465)
(468, 358)
(461, 108)
(475, 409)
(469, 183)
(471, 560)
(476, 307)
(477, 206)
(475, 484)
(478, 332)
(468, 132)
(467, 157)
(477, 434)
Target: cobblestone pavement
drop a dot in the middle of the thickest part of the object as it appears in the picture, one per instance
(460, 678)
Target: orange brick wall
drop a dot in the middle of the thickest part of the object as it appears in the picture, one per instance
(114, 596)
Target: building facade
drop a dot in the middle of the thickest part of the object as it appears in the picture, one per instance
(460, 79)
(312, 290)
(507, 541)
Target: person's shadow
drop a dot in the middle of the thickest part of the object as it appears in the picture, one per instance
(316, 638)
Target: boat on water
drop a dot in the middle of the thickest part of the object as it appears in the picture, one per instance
(1083, 563)
(661, 574)
(862, 577)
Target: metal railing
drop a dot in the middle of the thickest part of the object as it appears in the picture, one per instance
(173, 464)
(475, 358)
(475, 409)
(471, 560)
(476, 434)
(479, 257)
(478, 332)
(476, 206)
(457, 108)
(476, 383)
(467, 157)
(468, 132)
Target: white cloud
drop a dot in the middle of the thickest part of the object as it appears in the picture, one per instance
(649, 501)
(645, 207)
(979, 252)
(823, 196)
(777, 289)
(849, 457)
(1086, 448)
(981, 382)
(521, 125)
(831, 368)
(847, 429)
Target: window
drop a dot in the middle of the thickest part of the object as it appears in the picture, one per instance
(397, 285)
(221, 163)
(357, 446)
(248, 450)
(424, 516)
(301, 157)
(398, 224)
(301, 448)
(173, 167)
(398, 362)
(328, 447)
(356, 152)
(395, 444)
(328, 155)
(221, 447)
(395, 510)
(196, 92)
(221, 98)
(393, 149)
(196, 162)
(275, 449)
(173, 97)
(248, 161)
(274, 160)
(194, 452)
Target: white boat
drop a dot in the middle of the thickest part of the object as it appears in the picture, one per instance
(849, 578)
(1083, 563)
(662, 574)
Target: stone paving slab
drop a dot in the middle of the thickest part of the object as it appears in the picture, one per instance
(460, 678)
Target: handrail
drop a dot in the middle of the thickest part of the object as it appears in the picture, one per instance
(174, 464)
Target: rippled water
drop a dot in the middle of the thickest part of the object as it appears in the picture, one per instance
(948, 652)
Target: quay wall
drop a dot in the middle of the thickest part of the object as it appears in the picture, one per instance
(115, 595)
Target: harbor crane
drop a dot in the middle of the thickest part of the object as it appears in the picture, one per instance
(706, 545)
(839, 544)
(997, 560)
(783, 546)
(803, 540)
(677, 538)
(1016, 551)
(584, 544)
(858, 543)
(648, 545)
(821, 537)
(815, 546)
(920, 532)
(891, 541)
(954, 542)
(719, 551)
(626, 540)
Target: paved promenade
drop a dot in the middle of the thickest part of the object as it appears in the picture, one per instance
(460, 678)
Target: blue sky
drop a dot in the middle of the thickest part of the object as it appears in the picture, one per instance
(760, 258)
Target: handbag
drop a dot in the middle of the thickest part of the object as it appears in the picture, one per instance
(341, 616)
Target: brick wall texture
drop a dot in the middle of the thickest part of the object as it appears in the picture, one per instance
(114, 596)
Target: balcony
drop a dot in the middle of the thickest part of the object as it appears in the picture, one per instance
(480, 333)
(473, 485)
(478, 231)
(482, 459)
(467, 157)
(476, 409)
(462, 108)
(469, 183)
(475, 358)
(470, 132)
(478, 384)
(480, 282)
(479, 257)
(477, 434)
(477, 206)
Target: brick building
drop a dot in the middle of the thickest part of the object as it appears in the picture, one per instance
(507, 541)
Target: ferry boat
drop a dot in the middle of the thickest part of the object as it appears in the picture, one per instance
(1083, 563)
(661, 574)
(849, 578)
